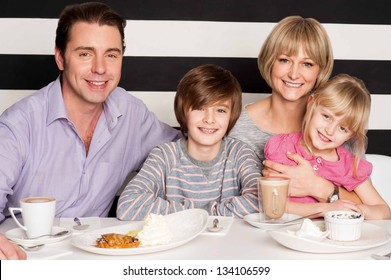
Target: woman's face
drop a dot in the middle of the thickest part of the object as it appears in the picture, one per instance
(294, 76)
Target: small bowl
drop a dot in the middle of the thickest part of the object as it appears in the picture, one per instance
(344, 225)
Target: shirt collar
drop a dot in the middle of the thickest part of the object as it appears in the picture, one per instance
(57, 108)
(111, 110)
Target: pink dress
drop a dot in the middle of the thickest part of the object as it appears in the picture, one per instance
(340, 172)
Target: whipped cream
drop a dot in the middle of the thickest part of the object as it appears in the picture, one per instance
(155, 231)
(309, 229)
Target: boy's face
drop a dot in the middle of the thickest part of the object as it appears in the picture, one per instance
(206, 128)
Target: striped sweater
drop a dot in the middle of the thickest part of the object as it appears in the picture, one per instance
(171, 181)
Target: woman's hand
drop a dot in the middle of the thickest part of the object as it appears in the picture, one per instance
(304, 181)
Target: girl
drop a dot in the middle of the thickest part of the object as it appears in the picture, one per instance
(337, 113)
(204, 169)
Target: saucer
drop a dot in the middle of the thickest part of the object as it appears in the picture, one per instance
(258, 220)
(18, 236)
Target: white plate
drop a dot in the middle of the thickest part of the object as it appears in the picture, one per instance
(18, 235)
(258, 220)
(185, 226)
(371, 236)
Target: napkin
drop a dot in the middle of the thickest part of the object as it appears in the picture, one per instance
(382, 252)
(68, 223)
(224, 222)
(47, 254)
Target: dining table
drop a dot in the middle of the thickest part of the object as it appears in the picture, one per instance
(241, 241)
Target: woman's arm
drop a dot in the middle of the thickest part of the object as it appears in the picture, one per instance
(373, 207)
(304, 180)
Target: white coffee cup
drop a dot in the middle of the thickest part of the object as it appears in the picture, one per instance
(37, 214)
(273, 196)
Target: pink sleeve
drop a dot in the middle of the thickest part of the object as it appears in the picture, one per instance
(364, 171)
(276, 148)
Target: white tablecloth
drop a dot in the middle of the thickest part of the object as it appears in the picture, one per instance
(242, 242)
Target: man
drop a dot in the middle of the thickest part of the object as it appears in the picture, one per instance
(78, 138)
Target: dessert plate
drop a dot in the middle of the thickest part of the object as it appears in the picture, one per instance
(185, 226)
(18, 236)
(258, 220)
(371, 236)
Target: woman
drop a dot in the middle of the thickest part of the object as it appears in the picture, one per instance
(294, 60)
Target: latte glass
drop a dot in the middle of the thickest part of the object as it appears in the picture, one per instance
(273, 196)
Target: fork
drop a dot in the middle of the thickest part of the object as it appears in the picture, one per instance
(381, 257)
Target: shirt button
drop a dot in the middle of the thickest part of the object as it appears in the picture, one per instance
(318, 160)
(315, 167)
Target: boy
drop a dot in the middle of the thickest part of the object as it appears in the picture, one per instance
(204, 169)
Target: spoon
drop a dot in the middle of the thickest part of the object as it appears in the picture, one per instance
(79, 226)
(215, 227)
(49, 235)
(31, 248)
(381, 257)
(294, 220)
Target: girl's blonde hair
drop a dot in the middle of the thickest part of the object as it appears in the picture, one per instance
(288, 36)
(345, 96)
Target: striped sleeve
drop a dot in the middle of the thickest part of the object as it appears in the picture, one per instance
(245, 175)
(146, 192)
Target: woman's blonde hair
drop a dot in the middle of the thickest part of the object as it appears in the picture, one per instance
(288, 36)
(348, 97)
(207, 85)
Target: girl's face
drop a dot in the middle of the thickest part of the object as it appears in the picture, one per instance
(293, 77)
(326, 131)
(206, 128)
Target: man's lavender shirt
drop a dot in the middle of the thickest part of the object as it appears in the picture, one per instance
(42, 154)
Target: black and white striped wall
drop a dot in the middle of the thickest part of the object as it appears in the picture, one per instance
(165, 38)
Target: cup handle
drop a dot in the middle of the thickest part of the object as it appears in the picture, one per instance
(12, 209)
(275, 203)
